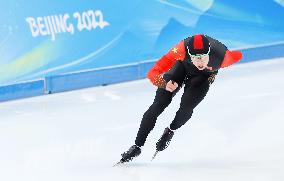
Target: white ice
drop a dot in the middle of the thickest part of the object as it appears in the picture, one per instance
(235, 134)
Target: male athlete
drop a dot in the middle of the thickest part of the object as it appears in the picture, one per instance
(194, 63)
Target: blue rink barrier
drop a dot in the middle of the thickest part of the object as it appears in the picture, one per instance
(111, 75)
(22, 90)
(263, 52)
(97, 77)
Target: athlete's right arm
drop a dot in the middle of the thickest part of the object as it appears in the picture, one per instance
(171, 86)
(164, 64)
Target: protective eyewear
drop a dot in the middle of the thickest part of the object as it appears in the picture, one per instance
(198, 56)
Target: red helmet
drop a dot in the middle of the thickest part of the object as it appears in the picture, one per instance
(198, 44)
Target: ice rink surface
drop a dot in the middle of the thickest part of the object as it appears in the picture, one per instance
(235, 134)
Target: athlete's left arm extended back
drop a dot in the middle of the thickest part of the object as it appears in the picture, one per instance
(231, 57)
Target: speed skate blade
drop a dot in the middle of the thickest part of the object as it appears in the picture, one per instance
(155, 155)
(118, 163)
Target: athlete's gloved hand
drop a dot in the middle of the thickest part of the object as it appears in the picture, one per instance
(171, 86)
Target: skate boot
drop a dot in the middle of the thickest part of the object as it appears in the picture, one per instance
(164, 141)
(131, 153)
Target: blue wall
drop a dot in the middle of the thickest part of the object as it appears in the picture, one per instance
(72, 45)
(57, 37)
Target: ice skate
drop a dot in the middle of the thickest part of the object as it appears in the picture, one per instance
(164, 141)
(127, 156)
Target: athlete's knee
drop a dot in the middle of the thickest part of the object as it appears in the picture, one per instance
(184, 113)
(162, 103)
(156, 108)
(181, 118)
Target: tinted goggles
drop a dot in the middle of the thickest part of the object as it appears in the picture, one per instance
(198, 56)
